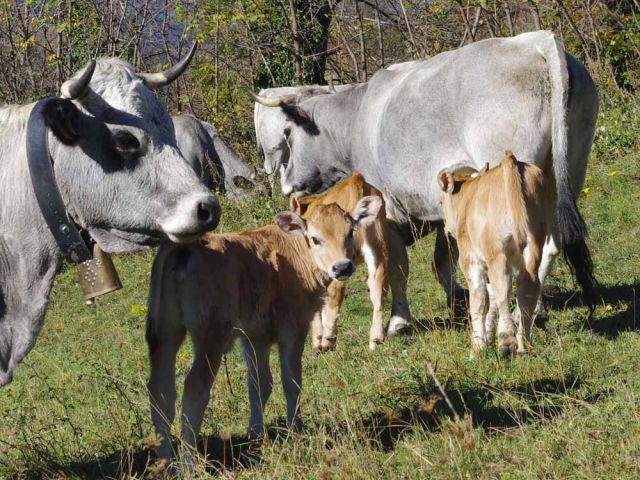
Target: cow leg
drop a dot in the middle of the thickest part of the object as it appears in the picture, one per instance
(259, 381)
(476, 275)
(398, 274)
(163, 347)
(208, 350)
(316, 332)
(549, 254)
(377, 283)
(445, 257)
(330, 314)
(499, 272)
(528, 293)
(290, 348)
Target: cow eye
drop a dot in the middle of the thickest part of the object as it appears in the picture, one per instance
(316, 240)
(126, 144)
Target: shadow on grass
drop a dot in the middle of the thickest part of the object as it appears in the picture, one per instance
(605, 324)
(540, 401)
(134, 461)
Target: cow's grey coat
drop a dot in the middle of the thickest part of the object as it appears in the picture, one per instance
(218, 166)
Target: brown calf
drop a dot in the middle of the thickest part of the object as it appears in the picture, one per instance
(500, 219)
(370, 245)
(264, 286)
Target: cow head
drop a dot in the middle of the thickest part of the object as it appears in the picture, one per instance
(316, 155)
(116, 161)
(328, 230)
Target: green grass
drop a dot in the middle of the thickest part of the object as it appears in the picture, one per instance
(78, 404)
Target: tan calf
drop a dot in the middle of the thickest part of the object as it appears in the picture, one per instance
(500, 219)
(370, 246)
(264, 286)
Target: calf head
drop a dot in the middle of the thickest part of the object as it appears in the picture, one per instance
(451, 180)
(328, 230)
(116, 161)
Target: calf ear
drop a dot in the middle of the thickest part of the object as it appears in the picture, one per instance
(367, 209)
(296, 114)
(298, 205)
(62, 117)
(290, 223)
(445, 180)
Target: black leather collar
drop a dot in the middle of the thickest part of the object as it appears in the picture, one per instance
(64, 230)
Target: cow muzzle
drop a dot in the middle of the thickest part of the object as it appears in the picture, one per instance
(192, 217)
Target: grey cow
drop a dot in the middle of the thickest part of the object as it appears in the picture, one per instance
(121, 177)
(217, 165)
(469, 105)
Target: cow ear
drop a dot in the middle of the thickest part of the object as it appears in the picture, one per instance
(290, 222)
(62, 117)
(446, 182)
(367, 210)
(296, 114)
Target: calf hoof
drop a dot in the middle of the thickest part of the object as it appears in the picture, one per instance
(374, 342)
(316, 343)
(297, 426)
(397, 326)
(507, 344)
(328, 344)
(255, 433)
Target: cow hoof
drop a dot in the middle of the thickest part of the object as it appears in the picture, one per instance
(397, 326)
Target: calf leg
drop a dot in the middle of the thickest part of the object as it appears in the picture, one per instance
(445, 256)
(490, 319)
(330, 314)
(528, 293)
(398, 274)
(163, 347)
(290, 349)
(377, 283)
(500, 278)
(476, 275)
(208, 350)
(259, 381)
(316, 332)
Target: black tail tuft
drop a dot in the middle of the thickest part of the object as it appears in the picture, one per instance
(579, 260)
(570, 223)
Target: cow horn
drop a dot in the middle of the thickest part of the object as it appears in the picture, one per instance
(160, 79)
(275, 101)
(76, 87)
(332, 87)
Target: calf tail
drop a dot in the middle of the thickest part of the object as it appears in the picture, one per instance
(515, 199)
(570, 225)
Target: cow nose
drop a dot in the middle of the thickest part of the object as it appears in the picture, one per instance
(342, 270)
(208, 213)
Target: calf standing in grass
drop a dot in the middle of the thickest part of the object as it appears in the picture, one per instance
(370, 245)
(500, 219)
(264, 286)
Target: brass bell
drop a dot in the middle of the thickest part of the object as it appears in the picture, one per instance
(98, 276)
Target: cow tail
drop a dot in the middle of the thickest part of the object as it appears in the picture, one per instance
(569, 225)
(515, 199)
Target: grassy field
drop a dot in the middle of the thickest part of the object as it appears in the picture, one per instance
(78, 405)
